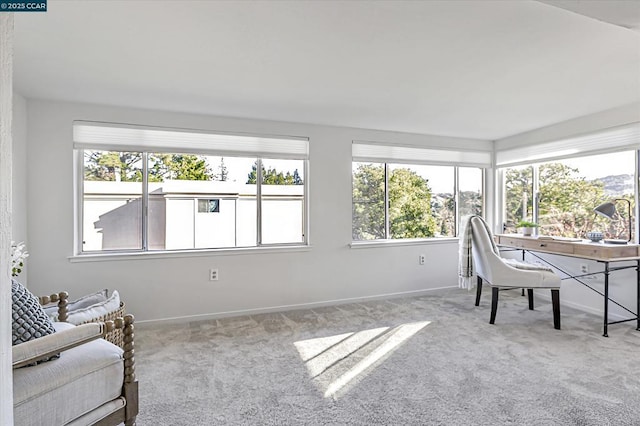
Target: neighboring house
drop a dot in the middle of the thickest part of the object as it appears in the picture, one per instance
(189, 215)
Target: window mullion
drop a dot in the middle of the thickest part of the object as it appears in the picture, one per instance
(259, 202)
(456, 200)
(387, 233)
(636, 197)
(79, 194)
(305, 205)
(145, 201)
(536, 194)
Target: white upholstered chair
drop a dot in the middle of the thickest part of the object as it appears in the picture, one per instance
(501, 275)
(91, 383)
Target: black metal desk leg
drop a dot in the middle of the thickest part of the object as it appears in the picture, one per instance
(523, 253)
(606, 297)
(638, 294)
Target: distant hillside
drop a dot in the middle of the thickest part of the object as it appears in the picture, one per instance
(617, 185)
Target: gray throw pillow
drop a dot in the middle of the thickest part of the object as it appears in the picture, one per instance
(29, 321)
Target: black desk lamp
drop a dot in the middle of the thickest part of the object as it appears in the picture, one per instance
(608, 210)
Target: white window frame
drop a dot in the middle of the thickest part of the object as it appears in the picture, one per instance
(500, 182)
(145, 139)
(386, 154)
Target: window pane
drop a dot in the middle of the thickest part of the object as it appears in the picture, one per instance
(518, 196)
(240, 172)
(368, 222)
(112, 200)
(421, 201)
(209, 205)
(195, 201)
(571, 189)
(282, 201)
(470, 191)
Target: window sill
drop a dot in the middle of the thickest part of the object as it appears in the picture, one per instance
(106, 257)
(407, 242)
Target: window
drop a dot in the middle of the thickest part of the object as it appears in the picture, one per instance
(421, 201)
(518, 196)
(567, 192)
(559, 183)
(147, 189)
(405, 197)
(209, 206)
(470, 182)
(281, 208)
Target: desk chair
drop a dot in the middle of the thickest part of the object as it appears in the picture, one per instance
(501, 274)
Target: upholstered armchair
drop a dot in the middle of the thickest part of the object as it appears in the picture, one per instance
(92, 382)
(503, 274)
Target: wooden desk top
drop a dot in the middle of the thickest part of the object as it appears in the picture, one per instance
(583, 249)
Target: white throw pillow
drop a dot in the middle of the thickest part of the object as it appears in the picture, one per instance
(81, 303)
(95, 311)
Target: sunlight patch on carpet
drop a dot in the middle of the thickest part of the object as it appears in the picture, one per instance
(336, 363)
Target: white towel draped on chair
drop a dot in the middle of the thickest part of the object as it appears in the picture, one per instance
(465, 260)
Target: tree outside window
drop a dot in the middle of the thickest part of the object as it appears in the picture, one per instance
(568, 192)
(421, 201)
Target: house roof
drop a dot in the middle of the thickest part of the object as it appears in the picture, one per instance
(473, 69)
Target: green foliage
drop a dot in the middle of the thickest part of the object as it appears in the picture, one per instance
(297, 180)
(410, 206)
(526, 224)
(113, 166)
(274, 177)
(178, 167)
(410, 214)
(368, 203)
(127, 167)
(518, 190)
(223, 172)
(566, 201)
(470, 203)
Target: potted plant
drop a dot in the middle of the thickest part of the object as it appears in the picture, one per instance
(526, 228)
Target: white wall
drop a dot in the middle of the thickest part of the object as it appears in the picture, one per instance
(19, 175)
(176, 287)
(6, 112)
(587, 124)
(623, 283)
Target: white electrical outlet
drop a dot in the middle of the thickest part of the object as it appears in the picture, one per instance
(421, 259)
(213, 275)
(584, 268)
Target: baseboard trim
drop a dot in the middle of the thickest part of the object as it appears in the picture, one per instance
(283, 308)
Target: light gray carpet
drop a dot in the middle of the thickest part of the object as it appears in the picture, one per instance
(380, 363)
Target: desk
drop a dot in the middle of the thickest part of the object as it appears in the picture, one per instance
(583, 249)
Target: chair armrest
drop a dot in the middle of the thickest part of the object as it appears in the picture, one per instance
(61, 298)
(46, 346)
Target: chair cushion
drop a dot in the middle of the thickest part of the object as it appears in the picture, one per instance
(99, 413)
(526, 266)
(57, 392)
(28, 320)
